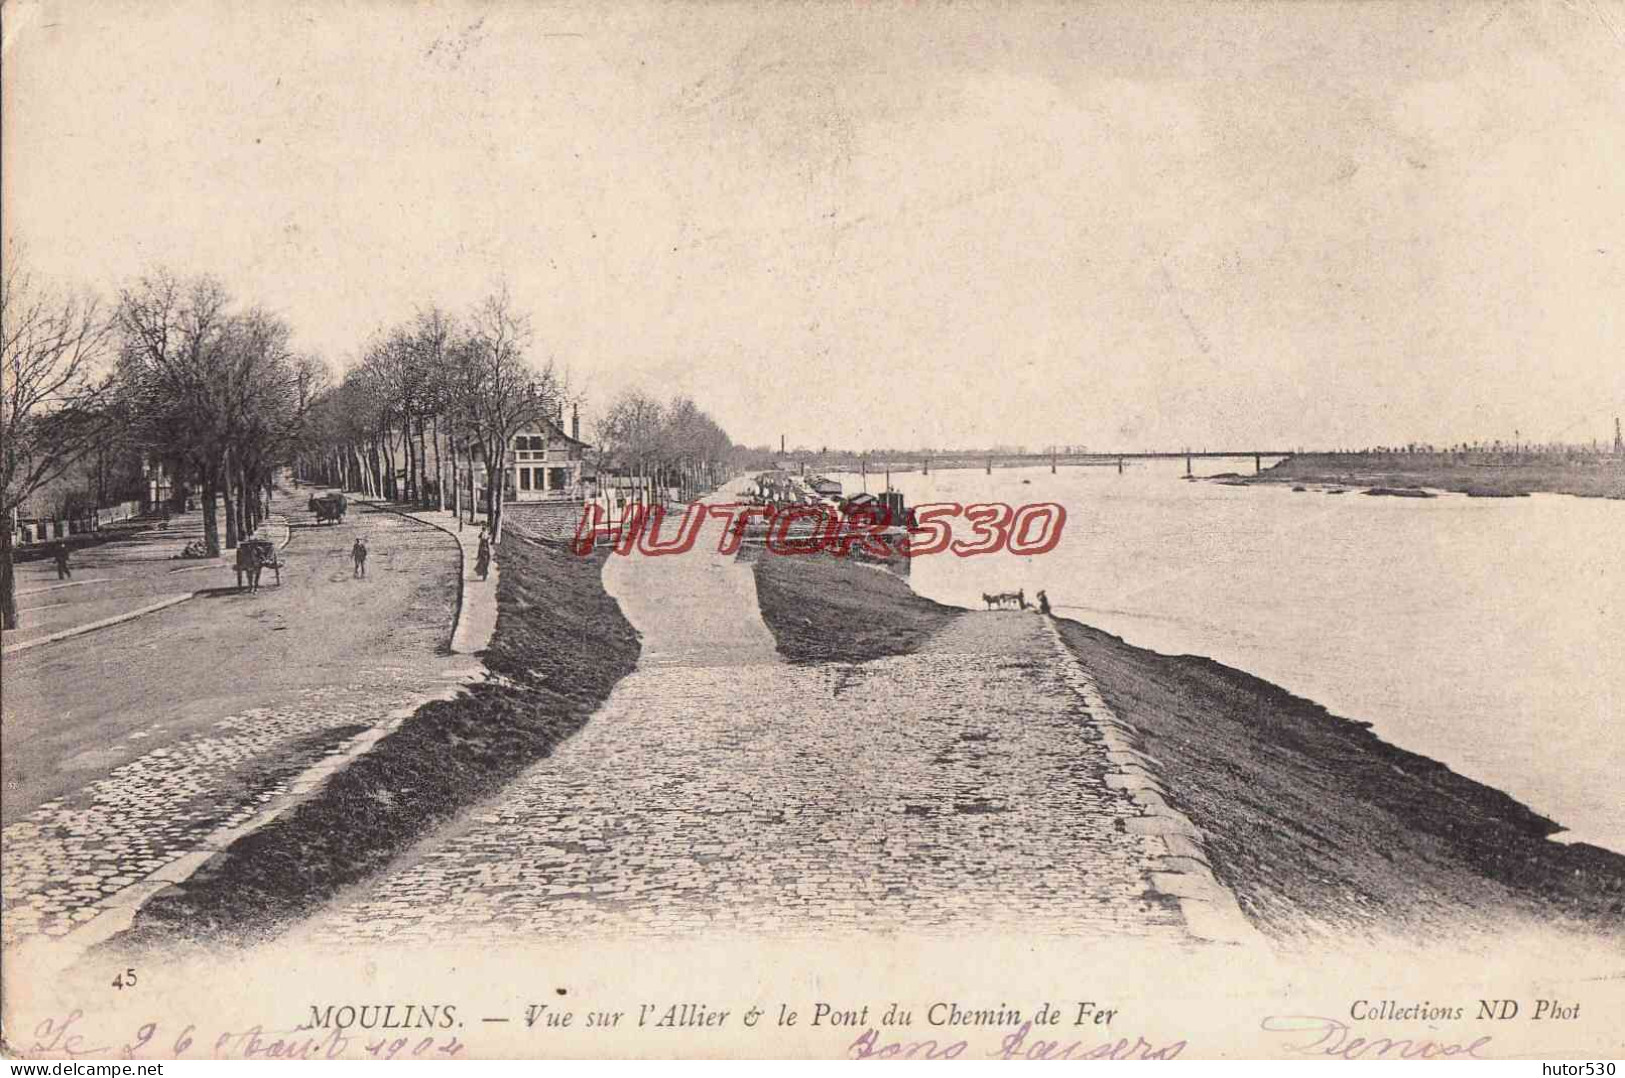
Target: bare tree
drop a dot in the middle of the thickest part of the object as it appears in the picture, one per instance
(502, 392)
(174, 369)
(433, 334)
(49, 417)
(221, 395)
(629, 433)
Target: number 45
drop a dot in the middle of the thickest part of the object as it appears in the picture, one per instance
(125, 979)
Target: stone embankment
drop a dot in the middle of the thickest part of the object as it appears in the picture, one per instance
(963, 787)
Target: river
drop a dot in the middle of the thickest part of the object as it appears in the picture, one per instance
(1488, 634)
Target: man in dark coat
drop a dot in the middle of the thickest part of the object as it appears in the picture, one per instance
(61, 557)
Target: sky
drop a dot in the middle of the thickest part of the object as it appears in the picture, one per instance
(1124, 226)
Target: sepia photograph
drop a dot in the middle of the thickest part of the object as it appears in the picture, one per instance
(737, 530)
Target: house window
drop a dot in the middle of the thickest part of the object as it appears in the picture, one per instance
(524, 478)
(555, 478)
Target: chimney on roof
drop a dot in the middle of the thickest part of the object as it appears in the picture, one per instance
(575, 421)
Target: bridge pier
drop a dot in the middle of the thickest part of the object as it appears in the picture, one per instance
(1187, 465)
(1258, 463)
(1119, 465)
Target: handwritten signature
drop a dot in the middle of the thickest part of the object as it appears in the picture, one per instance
(62, 1037)
(1332, 1038)
(1012, 1045)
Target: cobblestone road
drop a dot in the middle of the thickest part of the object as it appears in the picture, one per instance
(720, 790)
(130, 799)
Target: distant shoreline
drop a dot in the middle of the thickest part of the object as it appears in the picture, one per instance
(1598, 477)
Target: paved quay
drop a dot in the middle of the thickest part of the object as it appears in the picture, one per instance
(719, 789)
(127, 747)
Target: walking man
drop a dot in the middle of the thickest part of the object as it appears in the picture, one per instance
(61, 555)
(482, 560)
(359, 553)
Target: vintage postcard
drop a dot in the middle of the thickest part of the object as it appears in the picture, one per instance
(936, 530)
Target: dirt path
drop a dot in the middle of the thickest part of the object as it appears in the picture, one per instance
(696, 609)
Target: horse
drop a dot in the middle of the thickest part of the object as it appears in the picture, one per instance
(253, 557)
(250, 562)
(1005, 598)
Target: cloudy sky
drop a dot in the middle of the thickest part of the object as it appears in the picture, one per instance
(1123, 225)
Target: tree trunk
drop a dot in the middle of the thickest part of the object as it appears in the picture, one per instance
(456, 480)
(363, 474)
(408, 457)
(244, 497)
(439, 470)
(256, 507)
(211, 525)
(391, 488)
(8, 579)
(493, 494)
(423, 463)
(497, 495)
(225, 491)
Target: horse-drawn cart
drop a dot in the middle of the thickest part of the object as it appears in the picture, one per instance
(253, 557)
(329, 508)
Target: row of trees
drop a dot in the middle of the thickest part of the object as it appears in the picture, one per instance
(433, 400)
(673, 445)
(49, 419)
(175, 374)
(438, 399)
(215, 393)
(178, 374)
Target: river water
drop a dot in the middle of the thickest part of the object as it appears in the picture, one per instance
(1488, 634)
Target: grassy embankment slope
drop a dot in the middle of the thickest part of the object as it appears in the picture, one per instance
(561, 645)
(826, 609)
(1318, 826)
(1603, 478)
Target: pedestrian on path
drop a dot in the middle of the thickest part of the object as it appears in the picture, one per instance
(482, 561)
(359, 553)
(63, 572)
